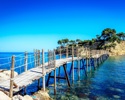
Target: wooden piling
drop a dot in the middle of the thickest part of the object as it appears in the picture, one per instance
(12, 77)
(87, 59)
(26, 60)
(66, 75)
(48, 57)
(60, 55)
(38, 83)
(34, 58)
(54, 72)
(67, 52)
(38, 57)
(58, 74)
(90, 59)
(72, 63)
(78, 63)
(43, 70)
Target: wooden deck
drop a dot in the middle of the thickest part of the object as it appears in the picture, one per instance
(41, 70)
(33, 74)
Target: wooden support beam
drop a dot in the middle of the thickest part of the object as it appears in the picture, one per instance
(58, 77)
(25, 61)
(48, 58)
(47, 83)
(43, 70)
(24, 93)
(70, 69)
(84, 67)
(67, 53)
(34, 58)
(66, 75)
(54, 71)
(12, 77)
(55, 81)
(60, 54)
(38, 57)
(58, 74)
(78, 69)
(38, 83)
(72, 63)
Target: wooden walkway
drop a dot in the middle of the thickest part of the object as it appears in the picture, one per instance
(33, 74)
(28, 77)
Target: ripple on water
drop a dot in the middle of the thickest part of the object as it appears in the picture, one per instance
(105, 83)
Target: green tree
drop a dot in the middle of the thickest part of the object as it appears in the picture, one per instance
(121, 35)
(78, 40)
(98, 37)
(107, 33)
(60, 42)
(65, 41)
(72, 42)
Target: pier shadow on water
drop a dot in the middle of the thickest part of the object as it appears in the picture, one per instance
(105, 83)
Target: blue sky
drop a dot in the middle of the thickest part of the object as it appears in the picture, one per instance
(35, 24)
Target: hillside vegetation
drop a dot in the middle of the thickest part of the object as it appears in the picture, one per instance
(108, 40)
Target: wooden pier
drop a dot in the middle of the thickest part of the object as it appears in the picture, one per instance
(89, 60)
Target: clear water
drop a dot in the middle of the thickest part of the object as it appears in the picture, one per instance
(107, 82)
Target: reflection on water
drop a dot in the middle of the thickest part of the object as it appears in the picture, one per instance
(105, 83)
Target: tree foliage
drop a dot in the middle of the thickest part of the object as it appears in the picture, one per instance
(108, 35)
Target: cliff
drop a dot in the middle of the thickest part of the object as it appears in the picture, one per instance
(119, 49)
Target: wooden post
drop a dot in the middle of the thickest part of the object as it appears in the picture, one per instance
(34, 58)
(78, 63)
(87, 59)
(54, 72)
(43, 70)
(38, 65)
(26, 59)
(72, 63)
(90, 59)
(38, 83)
(67, 52)
(12, 77)
(38, 57)
(60, 55)
(66, 75)
(48, 57)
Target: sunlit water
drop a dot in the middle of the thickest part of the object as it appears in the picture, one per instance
(107, 82)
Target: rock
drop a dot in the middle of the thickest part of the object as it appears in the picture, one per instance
(118, 50)
(119, 90)
(42, 95)
(73, 98)
(64, 98)
(101, 98)
(3, 96)
(116, 96)
(18, 97)
(5, 74)
(27, 97)
(3, 77)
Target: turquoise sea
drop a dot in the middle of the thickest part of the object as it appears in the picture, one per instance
(107, 82)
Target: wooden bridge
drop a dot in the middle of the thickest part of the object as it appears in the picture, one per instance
(90, 59)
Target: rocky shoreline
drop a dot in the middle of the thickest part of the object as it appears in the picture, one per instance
(39, 95)
(119, 49)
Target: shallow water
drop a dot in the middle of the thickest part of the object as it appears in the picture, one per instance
(107, 82)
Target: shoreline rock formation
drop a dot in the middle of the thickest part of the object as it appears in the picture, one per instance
(119, 49)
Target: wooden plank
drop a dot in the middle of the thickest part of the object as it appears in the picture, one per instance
(28, 77)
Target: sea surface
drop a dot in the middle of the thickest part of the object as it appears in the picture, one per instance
(107, 82)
